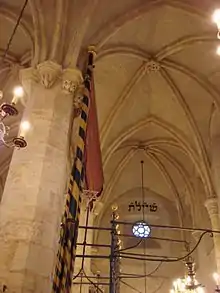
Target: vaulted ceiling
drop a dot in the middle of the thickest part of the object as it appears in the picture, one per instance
(157, 88)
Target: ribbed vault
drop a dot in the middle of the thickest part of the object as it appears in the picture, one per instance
(154, 89)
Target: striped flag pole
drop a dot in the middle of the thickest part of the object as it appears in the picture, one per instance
(62, 281)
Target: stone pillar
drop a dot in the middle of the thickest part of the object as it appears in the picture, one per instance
(212, 207)
(32, 202)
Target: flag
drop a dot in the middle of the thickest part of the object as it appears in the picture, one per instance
(94, 178)
(62, 281)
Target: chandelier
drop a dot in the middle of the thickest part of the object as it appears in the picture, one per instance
(7, 110)
(188, 284)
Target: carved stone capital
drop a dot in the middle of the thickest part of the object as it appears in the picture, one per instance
(71, 79)
(211, 205)
(49, 72)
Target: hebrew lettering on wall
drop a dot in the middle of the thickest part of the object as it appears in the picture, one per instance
(137, 206)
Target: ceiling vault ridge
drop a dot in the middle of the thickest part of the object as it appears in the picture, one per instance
(169, 181)
(167, 63)
(130, 50)
(115, 24)
(197, 77)
(26, 58)
(24, 25)
(117, 173)
(184, 175)
(120, 102)
(39, 31)
(151, 142)
(184, 42)
(57, 43)
(166, 51)
(179, 167)
(76, 39)
(173, 131)
(150, 119)
(193, 126)
(10, 58)
(129, 155)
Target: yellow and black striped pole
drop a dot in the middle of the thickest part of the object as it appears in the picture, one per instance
(62, 281)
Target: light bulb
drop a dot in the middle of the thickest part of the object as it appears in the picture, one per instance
(200, 290)
(216, 17)
(216, 278)
(18, 91)
(25, 126)
(218, 51)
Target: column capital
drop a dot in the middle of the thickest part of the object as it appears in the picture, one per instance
(48, 72)
(71, 79)
(211, 205)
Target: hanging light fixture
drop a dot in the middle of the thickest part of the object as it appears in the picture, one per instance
(7, 110)
(189, 284)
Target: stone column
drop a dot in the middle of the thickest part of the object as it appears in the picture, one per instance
(32, 202)
(212, 207)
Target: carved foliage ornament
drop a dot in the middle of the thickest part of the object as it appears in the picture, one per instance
(152, 66)
(49, 72)
(71, 80)
(69, 86)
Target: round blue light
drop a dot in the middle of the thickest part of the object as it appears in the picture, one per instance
(141, 230)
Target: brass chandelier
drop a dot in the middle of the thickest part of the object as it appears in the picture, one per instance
(188, 284)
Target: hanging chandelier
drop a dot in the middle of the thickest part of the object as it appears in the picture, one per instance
(188, 284)
(9, 110)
